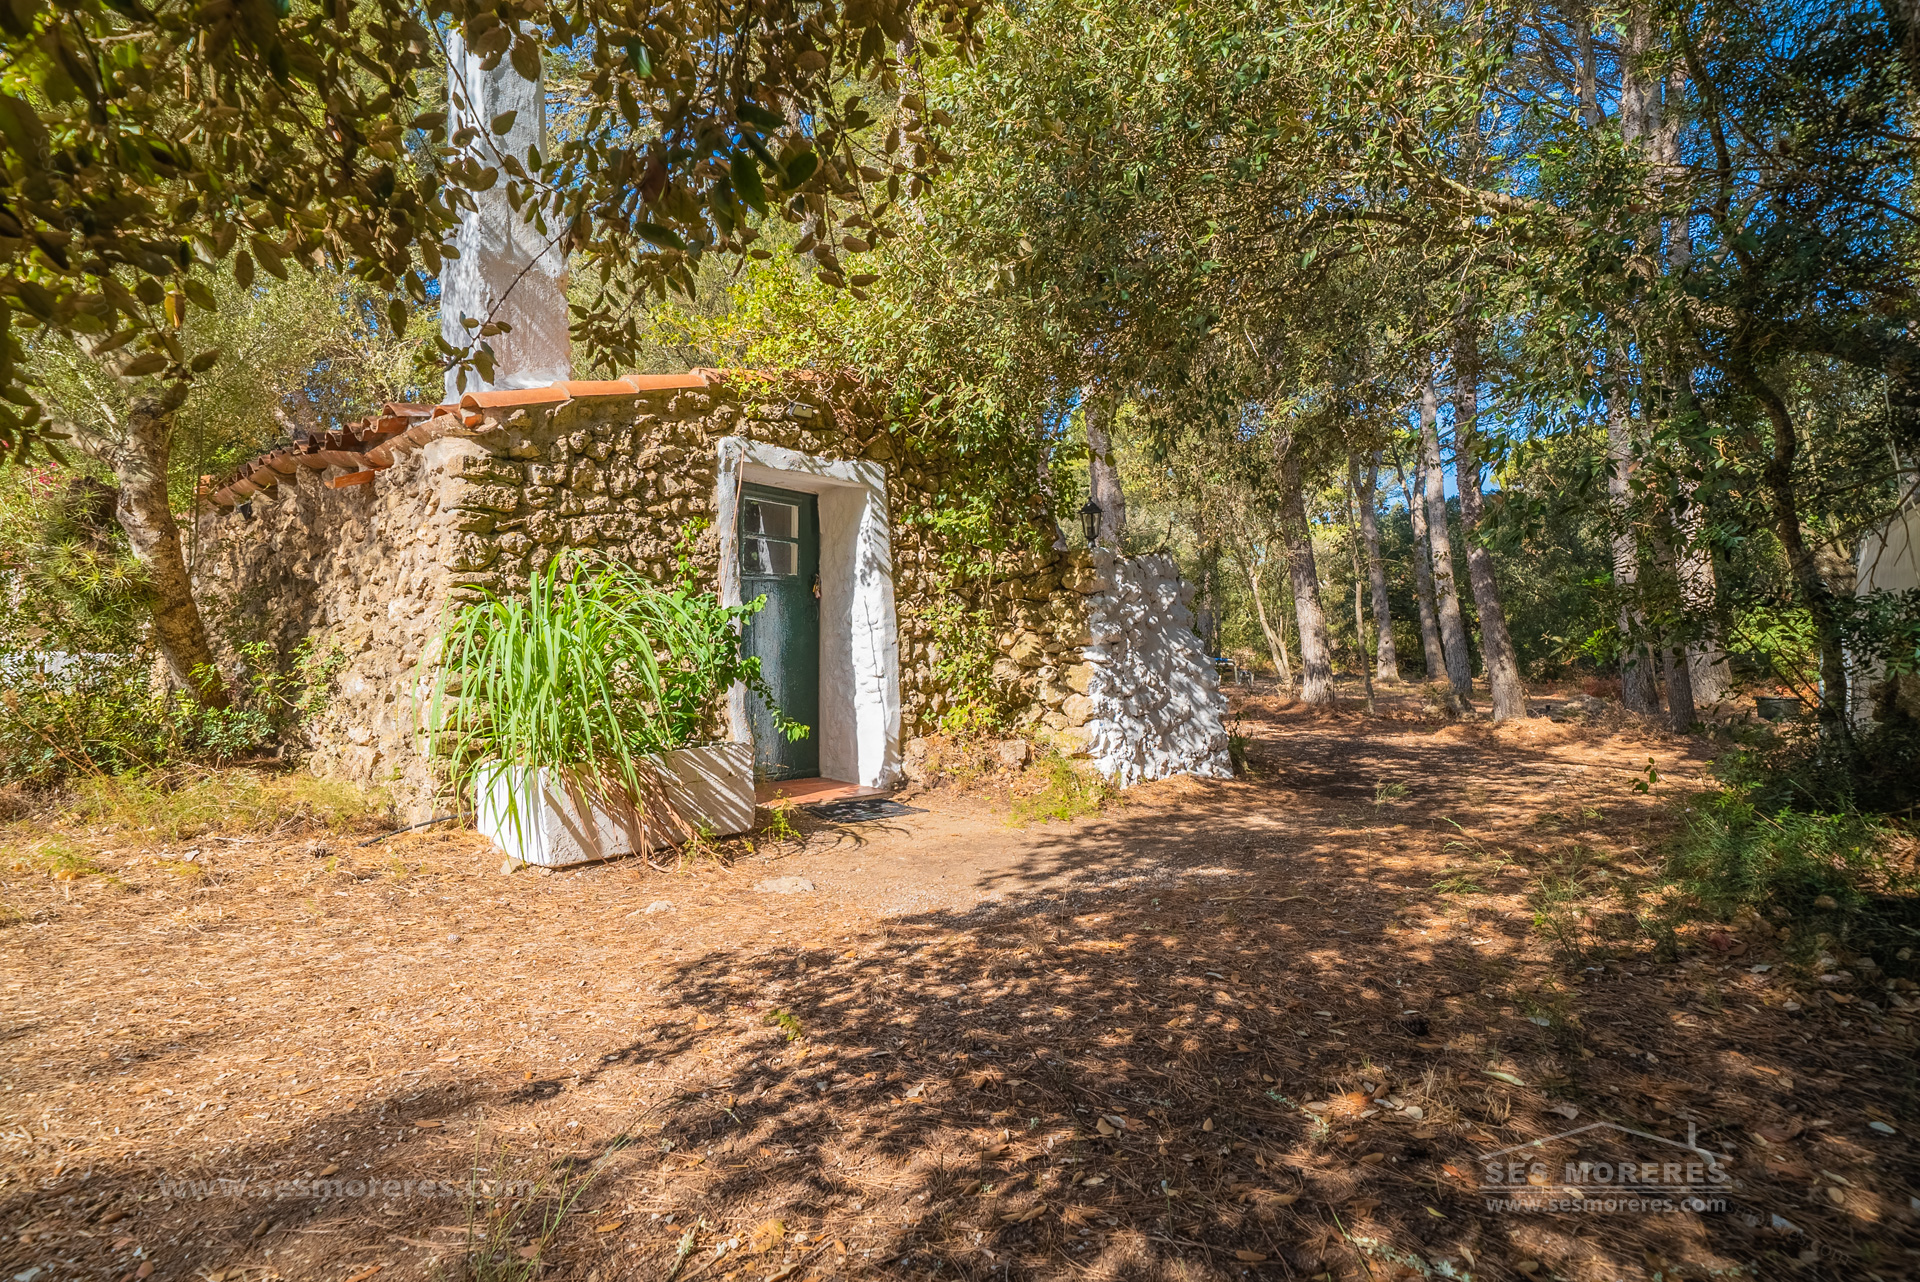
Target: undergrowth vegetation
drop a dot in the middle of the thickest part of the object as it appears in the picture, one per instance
(65, 716)
(1038, 784)
(1734, 854)
(181, 803)
(1067, 789)
(1843, 878)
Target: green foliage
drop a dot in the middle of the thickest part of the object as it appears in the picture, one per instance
(143, 125)
(1457, 884)
(1237, 749)
(969, 533)
(64, 715)
(787, 1023)
(963, 661)
(591, 671)
(60, 859)
(1559, 898)
(73, 585)
(1874, 767)
(1779, 640)
(776, 825)
(302, 354)
(1067, 790)
(1733, 853)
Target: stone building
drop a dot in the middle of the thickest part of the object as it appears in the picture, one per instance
(789, 487)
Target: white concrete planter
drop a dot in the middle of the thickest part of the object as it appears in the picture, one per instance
(536, 819)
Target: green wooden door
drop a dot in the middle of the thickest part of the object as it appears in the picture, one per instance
(780, 559)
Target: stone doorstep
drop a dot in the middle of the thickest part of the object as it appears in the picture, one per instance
(778, 794)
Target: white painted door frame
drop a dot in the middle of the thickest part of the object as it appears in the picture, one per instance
(859, 726)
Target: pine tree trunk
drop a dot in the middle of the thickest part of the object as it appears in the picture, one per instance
(1386, 662)
(1496, 645)
(1680, 710)
(1699, 597)
(1699, 594)
(1354, 540)
(1446, 597)
(1637, 692)
(1587, 76)
(1276, 644)
(1422, 567)
(1104, 477)
(140, 469)
(1316, 654)
(1639, 117)
(1674, 669)
(1706, 659)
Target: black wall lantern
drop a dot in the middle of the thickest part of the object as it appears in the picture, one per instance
(1090, 521)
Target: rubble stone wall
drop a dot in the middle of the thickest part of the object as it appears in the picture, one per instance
(1102, 653)
(365, 569)
(372, 568)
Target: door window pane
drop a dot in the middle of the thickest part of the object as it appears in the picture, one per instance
(769, 538)
(781, 520)
(769, 557)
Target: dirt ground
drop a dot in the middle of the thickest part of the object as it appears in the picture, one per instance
(1263, 1028)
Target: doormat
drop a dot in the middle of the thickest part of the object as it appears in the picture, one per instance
(861, 810)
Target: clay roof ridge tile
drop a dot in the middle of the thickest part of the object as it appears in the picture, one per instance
(666, 382)
(551, 394)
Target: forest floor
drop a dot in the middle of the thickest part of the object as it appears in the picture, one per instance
(1264, 1028)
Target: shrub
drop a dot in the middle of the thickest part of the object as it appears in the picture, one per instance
(1733, 854)
(1873, 767)
(68, 715)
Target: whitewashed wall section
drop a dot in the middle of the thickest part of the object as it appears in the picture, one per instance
(1157, 708)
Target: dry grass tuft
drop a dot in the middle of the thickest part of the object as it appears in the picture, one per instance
(182, 803)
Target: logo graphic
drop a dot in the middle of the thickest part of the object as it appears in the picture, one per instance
(1608, 1168)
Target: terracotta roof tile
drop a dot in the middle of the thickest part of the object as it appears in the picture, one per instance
(551, 394)
(670, 382)
(401, 425)
(581, 387)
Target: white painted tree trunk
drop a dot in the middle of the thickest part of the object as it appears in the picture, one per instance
(509, 271)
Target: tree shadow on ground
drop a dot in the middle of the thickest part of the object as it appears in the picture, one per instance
(1240, 1036)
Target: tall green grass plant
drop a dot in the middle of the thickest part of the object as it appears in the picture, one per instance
(590, 673)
